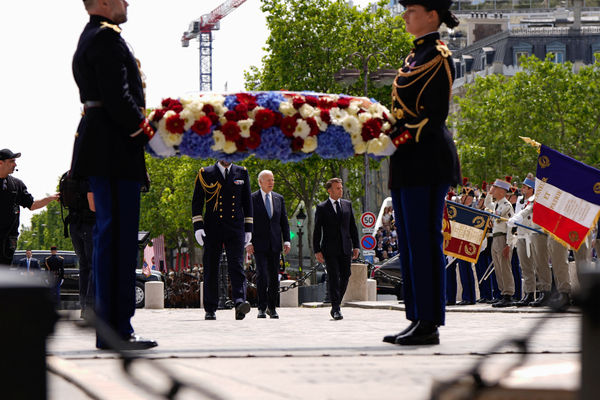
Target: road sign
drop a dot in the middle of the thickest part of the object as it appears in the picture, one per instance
(367, 220)
(368, 242)
(367, 230)
(368, 253)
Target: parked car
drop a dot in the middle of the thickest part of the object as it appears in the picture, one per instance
(389, 277)
(70, 286)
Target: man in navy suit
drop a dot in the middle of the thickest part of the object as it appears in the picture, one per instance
(269, 228)
(335, 241)
(222, 217)
(29, 263)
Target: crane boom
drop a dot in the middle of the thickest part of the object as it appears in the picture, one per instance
(208, 21)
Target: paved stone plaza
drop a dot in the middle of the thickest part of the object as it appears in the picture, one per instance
(307, 355)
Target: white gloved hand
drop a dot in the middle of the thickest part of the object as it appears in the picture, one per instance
(247, 238)
(512, 222)
(158, 145)
(390, 147)
(200, 236)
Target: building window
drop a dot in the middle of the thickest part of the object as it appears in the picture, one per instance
(595, 51)
(556, 57)
(555, 52)
(521, 50)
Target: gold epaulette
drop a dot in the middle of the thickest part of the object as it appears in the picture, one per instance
(443, 49)
(115, 28)
(211, 190)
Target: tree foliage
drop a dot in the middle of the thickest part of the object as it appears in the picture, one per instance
(548, 102)
(46, 230)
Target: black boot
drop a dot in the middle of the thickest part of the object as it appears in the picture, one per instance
(423, 333)
(561, 302)
(542, 300)
(505, 301)
(528, 298)
(392, 338)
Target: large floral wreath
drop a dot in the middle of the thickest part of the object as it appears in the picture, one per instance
(287, 126)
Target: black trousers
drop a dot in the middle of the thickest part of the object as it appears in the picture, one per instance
(338, 274)
(234, 248)
(267, 279)
(83, 243)
(7, 249)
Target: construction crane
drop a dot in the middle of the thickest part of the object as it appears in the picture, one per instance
(202, 29)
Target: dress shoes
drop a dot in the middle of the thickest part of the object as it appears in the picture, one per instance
(261, 314)
(451, 303)
(526, 300)
(241, 309)
(465, 303)
(336, 314)
(423, 333)
(133, 342)
(542, 300)
(210, 315)
(272, 313)
(392, 338)
(561, 302)
(505, 301)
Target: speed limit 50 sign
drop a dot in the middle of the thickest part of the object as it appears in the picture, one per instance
(367, 220)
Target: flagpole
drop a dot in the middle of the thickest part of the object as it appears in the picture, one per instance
(487, 273)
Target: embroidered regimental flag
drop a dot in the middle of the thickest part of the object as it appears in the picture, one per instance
(567, 197)
(464, 230)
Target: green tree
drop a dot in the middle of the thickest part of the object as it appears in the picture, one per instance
(548, 102)
(46, 230)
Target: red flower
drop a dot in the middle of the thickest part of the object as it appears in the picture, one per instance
(371, 129)
(214, 118)
(325, 117)
(231, 130)
(253, 141)
(202, 126)
(208, 108)
(254, 128)
(314, 127)
(298, 102)
(158, 114)
(240, 144)
(175, 124)
(325, 104)
(343, 102)
(247, 99)
(264, 118)
(297, 143)
(231, 116)
(278, 119)
(172, 104)
(288, 126)
(242, 111)
(312, 100)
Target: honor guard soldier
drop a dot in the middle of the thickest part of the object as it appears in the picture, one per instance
(423, 165)
(501, 239)
(55, 264)
(222, 217)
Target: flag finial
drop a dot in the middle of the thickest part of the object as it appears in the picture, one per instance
(531, 142)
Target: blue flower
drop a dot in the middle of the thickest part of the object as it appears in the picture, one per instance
(335, 142)
(270, 100)
(273, 145)
(231, 102)
(197, 146)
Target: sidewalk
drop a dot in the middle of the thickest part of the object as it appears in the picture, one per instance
(305, 354)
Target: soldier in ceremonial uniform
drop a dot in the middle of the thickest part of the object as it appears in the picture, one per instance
(222, 217)
(502, 237)
(423, 165)
(109, 151)
(55, 264)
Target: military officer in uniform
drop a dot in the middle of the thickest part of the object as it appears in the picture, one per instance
(109, 152)
(55, 264)
(423, 165)
(502, 239)
(222, 217)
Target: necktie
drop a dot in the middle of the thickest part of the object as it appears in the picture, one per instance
(28, 264)
(338, 211)
(268, 205)
(226, 173)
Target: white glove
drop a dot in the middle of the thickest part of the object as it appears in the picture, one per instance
(200, 236)
(247, 238)
(390, 147)
(158, 145)
(517, 219)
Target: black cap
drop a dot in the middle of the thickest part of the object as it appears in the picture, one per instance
(6, 154)
(53, 248)
(429, 4)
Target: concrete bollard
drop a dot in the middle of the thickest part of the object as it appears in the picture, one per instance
(357, 285)
(371, 290)
(288, 298)
(155, 295)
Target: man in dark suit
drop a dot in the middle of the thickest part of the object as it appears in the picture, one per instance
(109, 152)
(222, 217)
(55, 264)
(28, 263)
(270, 226)
(335, 241)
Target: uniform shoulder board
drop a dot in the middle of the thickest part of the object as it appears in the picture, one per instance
(443, 49)
(105, 24)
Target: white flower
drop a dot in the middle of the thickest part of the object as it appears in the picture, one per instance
(287, 108)
(360, 147)
(219, 139)
(364, 117)
(151, 115)
(385, 127)
(353, 109)
(351, 125)
(215, 100)
(376, 146)
(337, 115)
(310, 144)
(302, 129)
(229, 147)
(188, 116)
(356, 137)
(252, 113)
(185, 101)
(322, 124)
(222, 120)
(245, 127)
(306, 110)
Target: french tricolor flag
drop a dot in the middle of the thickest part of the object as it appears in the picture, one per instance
(567, 197)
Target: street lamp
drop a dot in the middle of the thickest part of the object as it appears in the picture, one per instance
(380, 77)
(300, 217)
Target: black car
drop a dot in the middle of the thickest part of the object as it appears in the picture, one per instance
(389, 277)
(70, 287)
